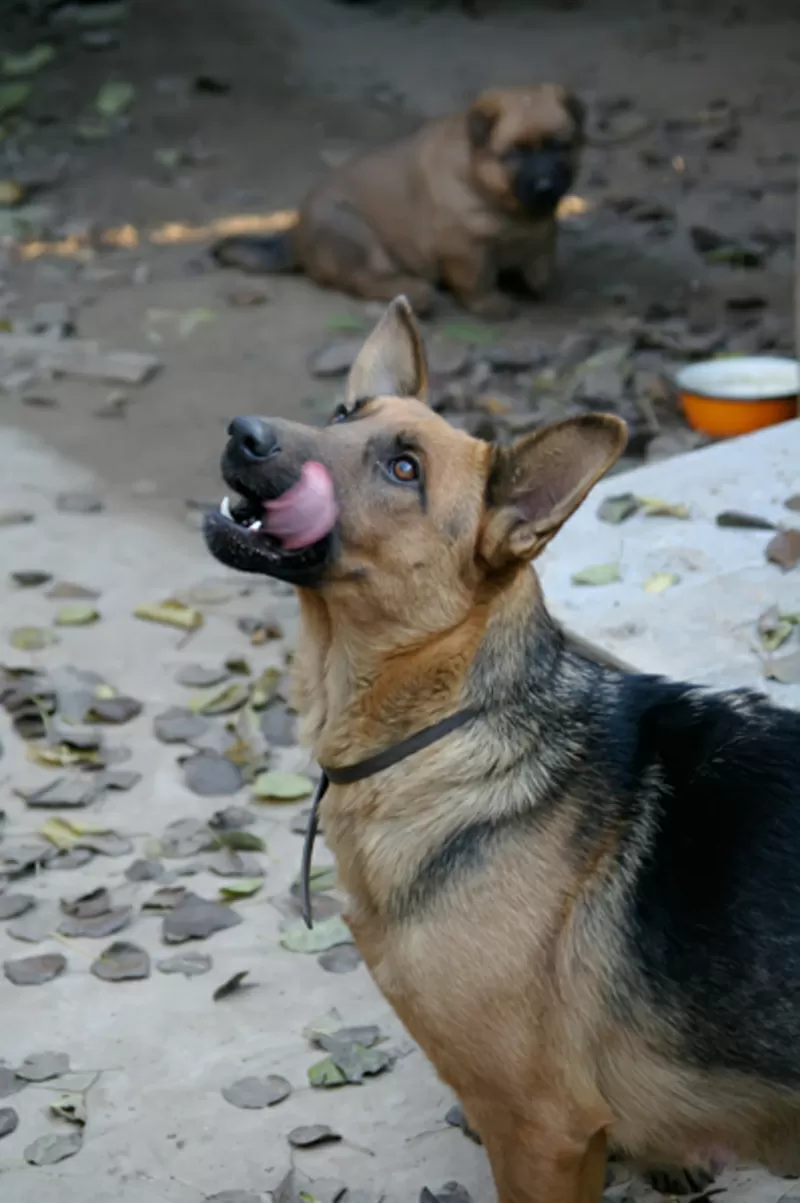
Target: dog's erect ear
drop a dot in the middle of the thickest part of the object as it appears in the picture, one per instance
(537, 483)
(480, 122)
(577, 111)
(392, 361)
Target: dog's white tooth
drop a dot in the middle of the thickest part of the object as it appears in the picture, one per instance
(255, 524)
(225, 508)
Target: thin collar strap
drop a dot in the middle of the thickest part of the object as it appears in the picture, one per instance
(350, 773)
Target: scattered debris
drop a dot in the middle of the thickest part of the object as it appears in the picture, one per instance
(54, 1147)
(179, 725)
(784, 669)
(35, 971)
(190, 964)
(10, 1084)
(13, 905)
(253, 1093)
(234, 985)
(30, 579)
(617, 509)
(71, 1107)
(773, 628)
(209, 775)
(42, 1067)
(322, 936)
(313, 1134)
(654, 507)
(9, 1121)
(738, 520)
(344, 958)
(114, 98)
(275, 786)
(199, 676)
(29, 62)
(597, 574)
(76, 615)
(197, 919)
(784, 549)
(79, 503)
(660, 581)
(171, 613)
(32, 639)
(122, 962)
(456, 1118)
(78, 357)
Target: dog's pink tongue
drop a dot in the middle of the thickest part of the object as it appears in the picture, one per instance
(305, 513)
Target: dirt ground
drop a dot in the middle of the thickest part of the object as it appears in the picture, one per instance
(716, 90)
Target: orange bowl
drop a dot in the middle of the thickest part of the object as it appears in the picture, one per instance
(734, 395)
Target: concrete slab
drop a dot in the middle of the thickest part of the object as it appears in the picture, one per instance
(159, 1130)
(702, 628)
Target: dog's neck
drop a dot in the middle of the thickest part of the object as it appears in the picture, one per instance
(360, 690)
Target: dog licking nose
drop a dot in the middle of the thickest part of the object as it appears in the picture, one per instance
(306, 512)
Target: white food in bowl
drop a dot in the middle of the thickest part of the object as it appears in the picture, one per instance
(742, 378)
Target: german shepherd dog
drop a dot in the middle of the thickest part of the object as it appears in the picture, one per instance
(582, 896)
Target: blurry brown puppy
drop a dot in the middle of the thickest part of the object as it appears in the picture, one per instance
(462, 202)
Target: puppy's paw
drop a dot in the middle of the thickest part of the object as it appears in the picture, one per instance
(492, 306)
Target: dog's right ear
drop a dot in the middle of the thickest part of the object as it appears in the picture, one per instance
(538, 482)
(392, 362)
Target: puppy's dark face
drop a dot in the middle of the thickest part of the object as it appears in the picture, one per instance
(524, 145)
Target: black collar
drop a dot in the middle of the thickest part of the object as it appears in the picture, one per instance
(350, 773)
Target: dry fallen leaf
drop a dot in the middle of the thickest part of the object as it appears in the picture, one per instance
(32, 639)
(738, 520)
(43, 1067)
(9, 1121)
(784, 549)
(121, 962)
(54, 1147)
(275, 786)
(597, 574)
(322, 936)
(775, 628)
(71, 1107)
(785, 669)
(311, 1135)
(617, 509)
(236, 984)
(253, 1094)
(654, 507)
(170, 613)
(76, 616)
(246, 887)
(660, 581)
(35, 971)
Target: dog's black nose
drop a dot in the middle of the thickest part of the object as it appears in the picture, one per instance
(252, 438)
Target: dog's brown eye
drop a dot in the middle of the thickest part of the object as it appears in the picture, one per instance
(405, 469)
(339, 415)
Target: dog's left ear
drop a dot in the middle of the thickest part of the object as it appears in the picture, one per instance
(392, 362)
(536, 484)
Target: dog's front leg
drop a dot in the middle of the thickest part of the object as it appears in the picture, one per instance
(471, 276)
(537, 1159)
(540, 268)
